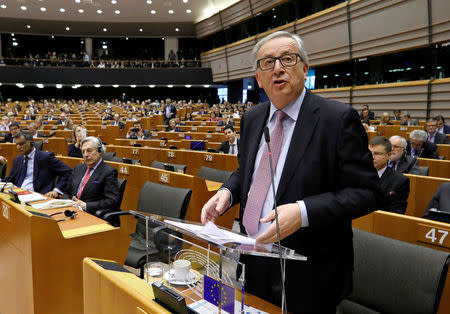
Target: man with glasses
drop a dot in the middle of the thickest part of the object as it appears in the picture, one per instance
(419, 147)
(394, 185)
(323, 175)
(434, 136)
(441, 126)
(400, 161)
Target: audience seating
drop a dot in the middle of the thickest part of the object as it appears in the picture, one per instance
(115, 221)
(423, 171)
(438, 168)
(108, 156)
(161, 165)
(155, 199)
(392, 276)
(214, 174)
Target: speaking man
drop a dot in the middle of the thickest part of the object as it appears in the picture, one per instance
(93, 185)
(324, 178)
(36, 170)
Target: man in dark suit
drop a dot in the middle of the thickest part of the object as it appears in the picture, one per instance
(32, 129)
(93, 184)
(14, 129)
(394, 185)
(138, 133)
(419, 147)
(400, 161)
(441, 126)
(441, 202)
(366, 114)
(433, 135)
(324, 178)
(117, 121)
(36, 170)
(62, 119)
(169, 111)
(231, 142)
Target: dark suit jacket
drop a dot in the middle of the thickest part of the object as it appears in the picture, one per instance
(100, 192)
(46, 168)
(173, 112)
(8, 138)
(395, 187)
(441, 199)
(121, 124)
(407, 164)
(74, 151)
(446, 129)
(40, 134)
(329, 167)
(441, 139)
(60, 122)
(225, 146)
(428, 150)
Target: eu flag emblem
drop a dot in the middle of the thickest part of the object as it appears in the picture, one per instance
(211, 294)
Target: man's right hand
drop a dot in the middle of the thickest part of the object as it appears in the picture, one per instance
(3, 160)
(215, 206)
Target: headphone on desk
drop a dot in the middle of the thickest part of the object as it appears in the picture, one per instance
(68, 213)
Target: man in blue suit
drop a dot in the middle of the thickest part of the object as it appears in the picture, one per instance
(36, 170)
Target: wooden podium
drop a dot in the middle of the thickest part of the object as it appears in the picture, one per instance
(41, 259)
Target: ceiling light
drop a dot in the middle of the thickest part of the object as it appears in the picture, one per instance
(105, 29)
(43, 9)
(59, 86)
(149, 1)
(105, 47)
(20, 85)
(117, 11)
(104, 42)
(40, 85)
(115, 86)
(74, 86)
(23, 8)
(53, 36)
(188, 86)
(177, 29)
(77, 1)
(14, 39)
(133, 86)
(140, 29)
(126, 38)
(67, 28)
(12, 34)
(151, 86)
(15, 44)
(206, 86)
(153, 12)
(62, 10)
(185, 1)
(82, 41)
(28, 26)
(188, 11)
(163, 38)
(3, 6)
(113, 1)
(170, 11)
(97, 85)
(99, 11)
(169, 86)
(80, 11)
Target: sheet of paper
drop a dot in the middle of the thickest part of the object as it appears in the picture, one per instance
(53, 204)
(211, 232)
(31, 197)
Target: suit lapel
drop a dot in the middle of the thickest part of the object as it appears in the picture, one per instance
(35, 167)
(302, 136)
(98, 171)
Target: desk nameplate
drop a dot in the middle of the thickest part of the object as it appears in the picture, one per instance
(438, 236)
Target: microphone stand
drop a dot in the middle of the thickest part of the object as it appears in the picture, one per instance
(282, 260)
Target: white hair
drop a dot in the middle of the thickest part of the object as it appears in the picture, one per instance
(296, 38)
(419, 135)
(397, 137)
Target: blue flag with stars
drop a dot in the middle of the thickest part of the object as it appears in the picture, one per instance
(211, 294)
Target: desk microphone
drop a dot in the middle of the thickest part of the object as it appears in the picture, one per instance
(159, 151)
(3, 187)
(283, 291)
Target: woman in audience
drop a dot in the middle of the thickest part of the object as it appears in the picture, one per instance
(188, 117)
(173, 126)
(79, 134)
(385, 119)
(213, 117)
(69, 125)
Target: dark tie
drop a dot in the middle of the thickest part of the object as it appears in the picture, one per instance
(261, 183)
(232, 149)
(23, 171)
(85, 180)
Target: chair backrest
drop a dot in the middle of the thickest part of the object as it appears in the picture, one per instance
(122, 183)
(423, 171)
(160, 165)
(162, 200)
(392, 276)
(214, 174)
(3, 171)
(109, 156)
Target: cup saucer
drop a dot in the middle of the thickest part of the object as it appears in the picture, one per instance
(193, 278)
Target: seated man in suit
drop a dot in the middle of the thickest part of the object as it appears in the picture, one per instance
(440, 201)
(395, 186)
(369, 115)
(400, 161)
(138, 133)
(433, 135)
(117, 121)
(14, 129)
(36, 170)
(62, 119)
(32, 129)
(93, 184)
(419, 147)
(441, 126)
(230, 145)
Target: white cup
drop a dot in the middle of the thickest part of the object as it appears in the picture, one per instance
(181, 269)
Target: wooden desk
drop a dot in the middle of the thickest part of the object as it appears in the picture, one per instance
(41, 259)
(412, 230)
(437, 168)
(108, 291)
(401, 130)
(444, 150)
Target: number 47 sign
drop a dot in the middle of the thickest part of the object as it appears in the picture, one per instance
(433, 235)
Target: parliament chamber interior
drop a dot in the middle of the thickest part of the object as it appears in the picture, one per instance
(161, 90)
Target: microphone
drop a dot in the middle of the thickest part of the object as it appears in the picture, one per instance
(68, 213)
(3, 187)
(154, 157)
(282, 269)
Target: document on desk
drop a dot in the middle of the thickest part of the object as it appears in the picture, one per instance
(53, 204)
(211, 232)
(31, 197)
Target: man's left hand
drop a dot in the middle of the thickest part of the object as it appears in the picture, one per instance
(289, 219)
(52, 194)
(79, 203)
